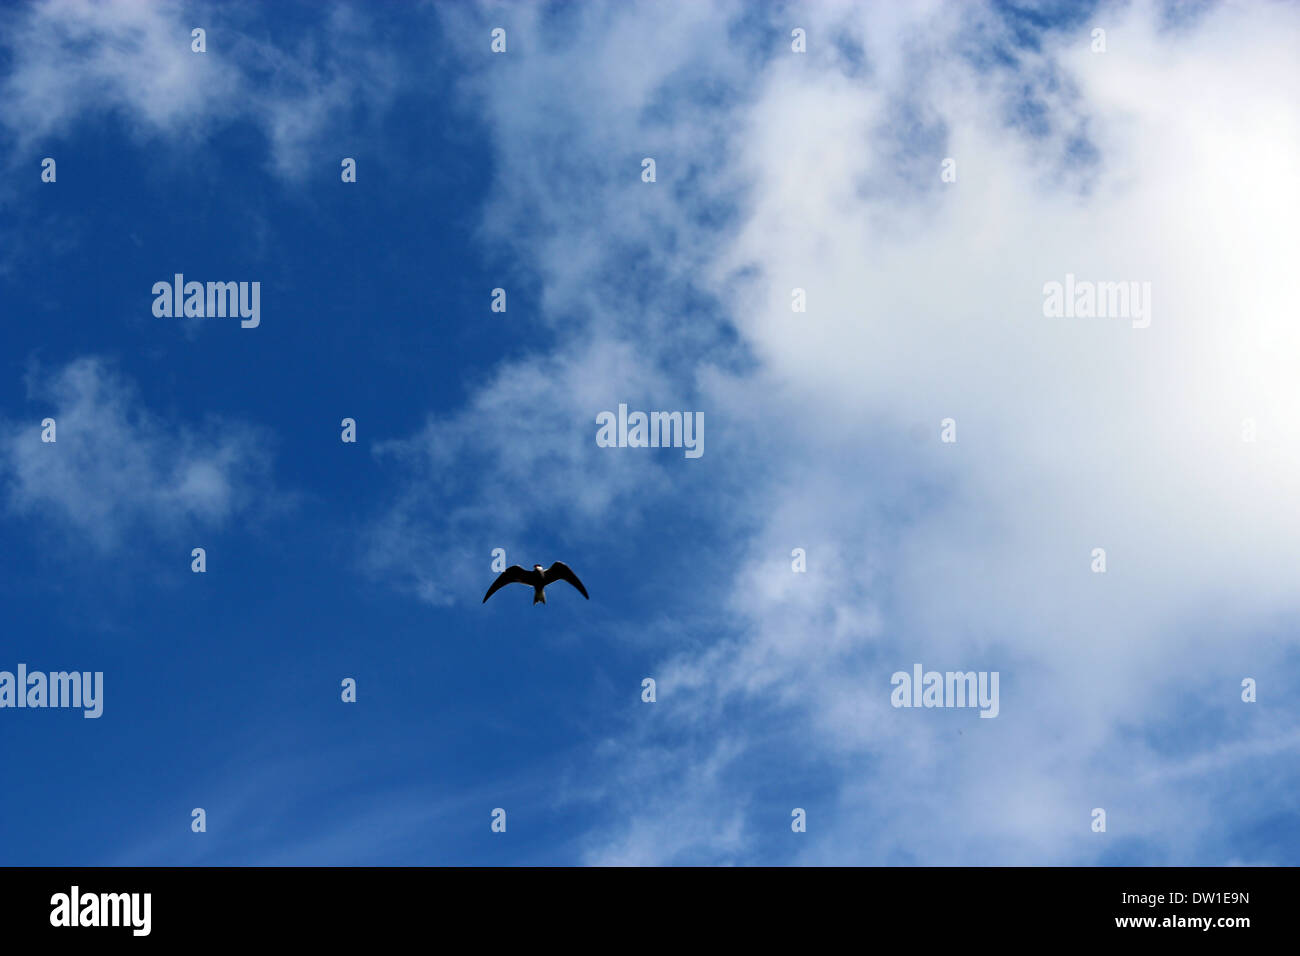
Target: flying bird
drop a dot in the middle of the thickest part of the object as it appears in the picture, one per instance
(537, 579)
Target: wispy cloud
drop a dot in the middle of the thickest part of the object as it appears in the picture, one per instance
(73, 59)
(1156, 160)
(117, 466)
(523, 451)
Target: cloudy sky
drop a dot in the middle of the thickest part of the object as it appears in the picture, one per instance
(922, 172)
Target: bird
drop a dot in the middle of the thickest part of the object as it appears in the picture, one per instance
(537, 579)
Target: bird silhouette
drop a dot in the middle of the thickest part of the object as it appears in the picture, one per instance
(537, 579)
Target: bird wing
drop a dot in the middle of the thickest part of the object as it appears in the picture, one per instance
(559, 571)
(511, 575)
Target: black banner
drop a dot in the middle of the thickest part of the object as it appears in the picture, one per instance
(655, 906)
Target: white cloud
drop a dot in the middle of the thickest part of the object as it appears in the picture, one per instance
(524, 447)
(71, 59)
(925, 301)
(116, 466)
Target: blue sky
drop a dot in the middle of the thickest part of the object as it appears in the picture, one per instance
(1163, 159)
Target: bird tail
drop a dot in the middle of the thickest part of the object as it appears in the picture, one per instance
(539, 596)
